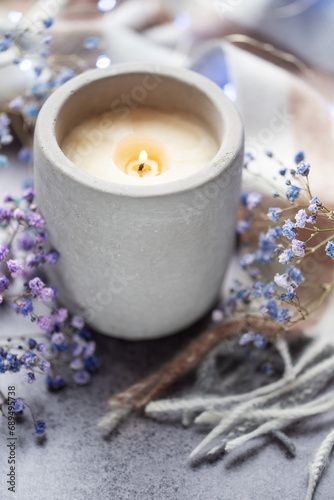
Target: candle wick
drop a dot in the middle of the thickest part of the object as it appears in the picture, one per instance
(141, 166)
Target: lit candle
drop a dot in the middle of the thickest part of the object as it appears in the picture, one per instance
(137, 174)
(148, 146)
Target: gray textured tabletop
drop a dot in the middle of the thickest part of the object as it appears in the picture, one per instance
(143, 459)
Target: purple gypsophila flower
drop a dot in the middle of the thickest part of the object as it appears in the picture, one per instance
(36, 220)
(289, 230)
(36, 285)
(15, 268)
(274, 214)
(303, 169)
(292, 193)
(58, 338)
(81, 377)
(18, 406)
(251, 200)
(60, 315)
(45, 366)
(44, 322)
(77, 322)
(286, 257)
(29, 377)
(29, 359)
(5, 215)
(3, 252)
(330, 249)
(47, 295)
(298, 248)
(52, 257)
(26, 242)
(4, 283)
(301, 218)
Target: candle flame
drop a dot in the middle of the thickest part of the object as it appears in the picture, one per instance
(143, 156)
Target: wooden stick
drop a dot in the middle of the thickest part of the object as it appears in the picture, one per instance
(140, 394)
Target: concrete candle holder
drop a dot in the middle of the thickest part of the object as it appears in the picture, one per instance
(139, 262)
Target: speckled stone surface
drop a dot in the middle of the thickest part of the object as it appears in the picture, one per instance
(144, 459)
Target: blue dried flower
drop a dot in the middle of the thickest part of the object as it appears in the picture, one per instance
(315, 205)
(243, 226)
(301, 218)
(284, 316)
(270, 290)
(274, 214)
(286, 257)
(23, 306)
(40, 427)
(251, 200)
(48, 22)
(289, 229)
(92, 364)
(29, 360)
(270, 309)
(295, 275)
(54, 383)
(18, 406)
(246, 260)
(298, 248)
(14, 364)
(292, 193)
(330, 249)
(303, 169)
(258, 289)
(300, 156)
(260, 341)
(31, 343)
(24, 155)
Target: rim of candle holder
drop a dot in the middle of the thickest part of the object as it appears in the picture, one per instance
(230, 147)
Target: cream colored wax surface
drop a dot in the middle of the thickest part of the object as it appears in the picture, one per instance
(185, 141)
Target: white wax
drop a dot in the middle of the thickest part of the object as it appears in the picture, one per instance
(183, 139)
